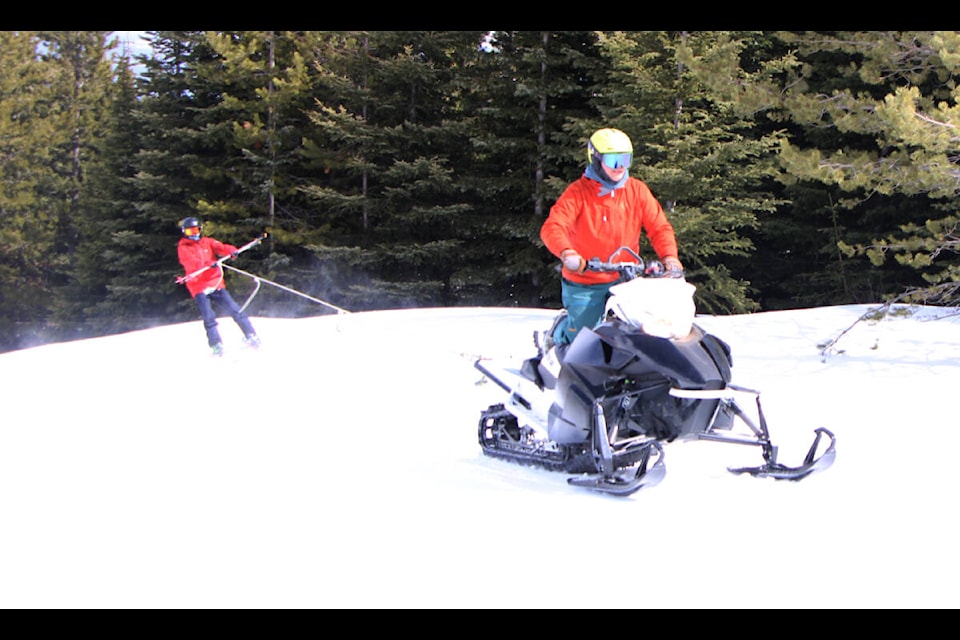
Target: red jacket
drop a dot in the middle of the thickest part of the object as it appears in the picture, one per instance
(596, 226)
(196, 254)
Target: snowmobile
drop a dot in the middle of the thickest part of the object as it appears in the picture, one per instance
(601, 407)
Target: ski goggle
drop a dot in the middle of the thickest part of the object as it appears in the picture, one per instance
(616, 160)
(191, 231)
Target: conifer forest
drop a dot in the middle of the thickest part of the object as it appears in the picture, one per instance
(395, 169)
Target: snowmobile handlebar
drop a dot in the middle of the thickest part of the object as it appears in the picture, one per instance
(636, 268)
(627, 270)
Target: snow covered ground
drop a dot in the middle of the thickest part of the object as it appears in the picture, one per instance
(338, 467)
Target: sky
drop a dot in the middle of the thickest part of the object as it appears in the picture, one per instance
(133, 40)
(338, 467)
(133, 43)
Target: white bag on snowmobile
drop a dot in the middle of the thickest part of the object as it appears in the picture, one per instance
(661, 307)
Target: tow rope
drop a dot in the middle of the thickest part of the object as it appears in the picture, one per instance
(257, 279)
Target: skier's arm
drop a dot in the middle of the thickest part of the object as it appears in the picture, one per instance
(557, 228)
(223, 249)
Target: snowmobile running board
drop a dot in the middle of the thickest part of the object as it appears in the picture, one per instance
(487, 372)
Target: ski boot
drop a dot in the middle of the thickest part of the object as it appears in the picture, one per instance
(543, 340)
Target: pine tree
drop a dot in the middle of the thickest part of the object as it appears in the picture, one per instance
(390, 136)
(29, 227)
(695, 146)
(82, 86)
(871, 116)
(530, 85)
(265, 83)
(119, 256)
(171, 168)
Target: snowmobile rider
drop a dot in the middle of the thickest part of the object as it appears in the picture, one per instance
(601, 211)
(207, 287)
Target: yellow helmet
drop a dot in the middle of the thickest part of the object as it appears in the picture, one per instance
(611, 146)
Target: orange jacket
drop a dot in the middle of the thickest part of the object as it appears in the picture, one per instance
(195, 254)
(596, 226)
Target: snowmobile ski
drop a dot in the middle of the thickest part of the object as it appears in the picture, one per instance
(811, 463)
(624, 483)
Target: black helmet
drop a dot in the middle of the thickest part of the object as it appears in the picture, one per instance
(193, 225)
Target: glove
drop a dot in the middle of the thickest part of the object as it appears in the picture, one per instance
(573, 260)
(672, 264)
(654, 268)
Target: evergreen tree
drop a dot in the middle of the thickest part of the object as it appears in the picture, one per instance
(390, 134)
(82, 87)
(172, 167)
(266, 81)
(54, 118)
(870, 148)
(415, 168)
(529, 86)
(118, 254)
(28, 228)
(695, 146)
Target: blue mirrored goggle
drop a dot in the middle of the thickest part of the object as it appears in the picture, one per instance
(616, 160)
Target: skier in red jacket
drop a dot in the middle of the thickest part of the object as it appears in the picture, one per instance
(600, 212)
(207, 287)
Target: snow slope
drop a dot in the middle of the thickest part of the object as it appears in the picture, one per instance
(338, 467)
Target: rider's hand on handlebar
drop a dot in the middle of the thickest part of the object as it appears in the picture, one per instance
(654, 268)
(573, 260)
(672, 264)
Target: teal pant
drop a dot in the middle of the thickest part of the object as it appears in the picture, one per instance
(584, 304)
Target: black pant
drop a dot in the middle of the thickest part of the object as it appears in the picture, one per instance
(222, 299)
